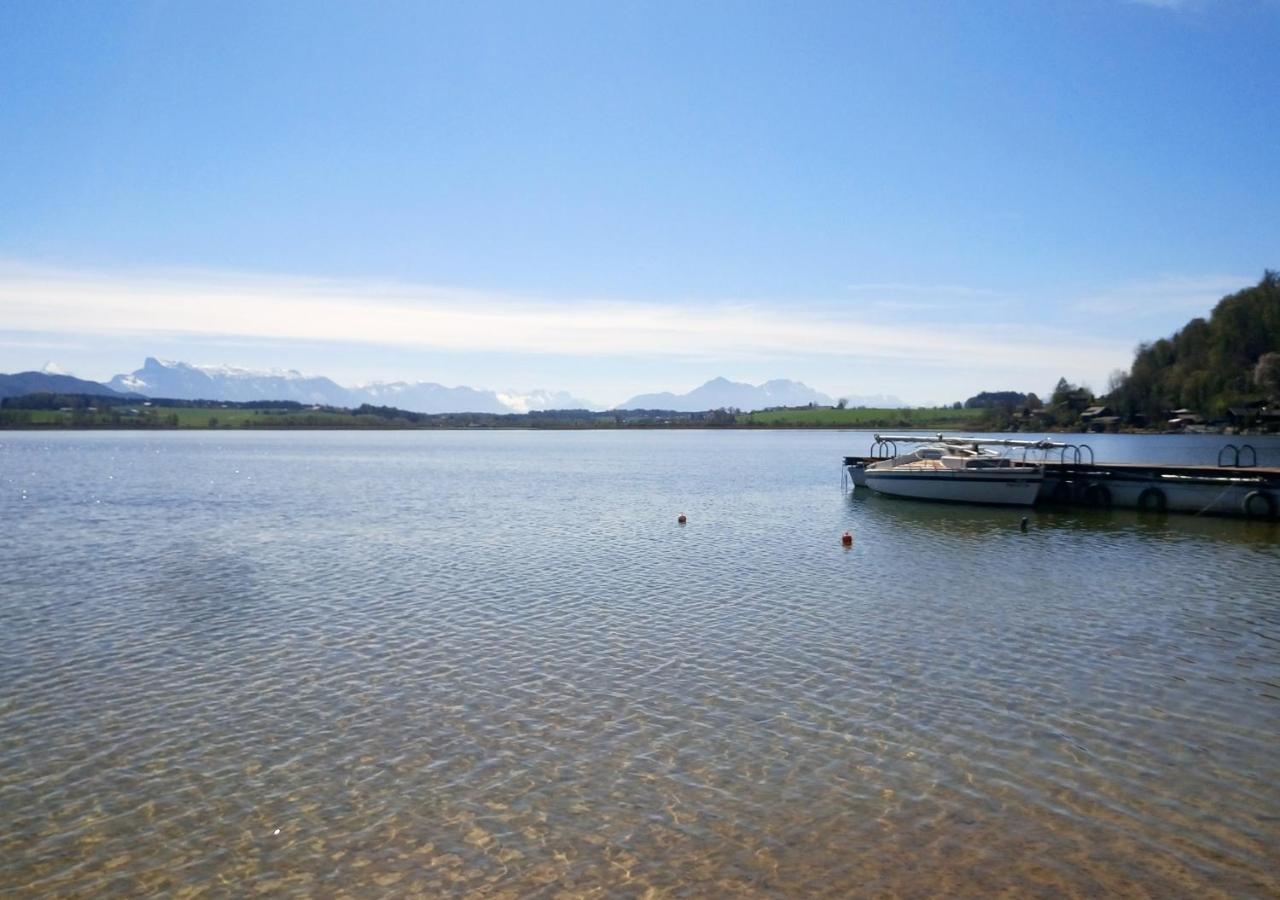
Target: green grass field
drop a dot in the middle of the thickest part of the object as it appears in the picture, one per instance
(828, 417)
(189, 417)
(230, 417)
(238, 418)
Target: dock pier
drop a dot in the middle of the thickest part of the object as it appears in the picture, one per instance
(1236, 486)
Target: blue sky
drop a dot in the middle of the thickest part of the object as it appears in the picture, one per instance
(925, 199)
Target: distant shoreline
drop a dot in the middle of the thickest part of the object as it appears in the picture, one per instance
(85, 412)
(965, 428)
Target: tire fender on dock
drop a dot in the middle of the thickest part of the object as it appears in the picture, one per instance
(1258, 505)
(1153, 500)
(1061, 494)
(1098, 495)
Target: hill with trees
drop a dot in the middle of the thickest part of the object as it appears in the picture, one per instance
(22, 383)
(996, 399)
(1209, 365)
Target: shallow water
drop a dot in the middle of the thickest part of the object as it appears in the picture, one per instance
(337, 662)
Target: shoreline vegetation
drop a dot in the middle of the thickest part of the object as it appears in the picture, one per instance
(87, 411)
(40, 412)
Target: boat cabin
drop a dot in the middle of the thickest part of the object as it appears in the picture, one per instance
(946, 457)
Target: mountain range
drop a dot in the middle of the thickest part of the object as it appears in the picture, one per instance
(184, 381)
(49, 382)
(721, 393)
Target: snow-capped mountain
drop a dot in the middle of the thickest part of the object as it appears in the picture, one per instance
(184, 381)
(428, 397)
(721, 393)
(875, 401)
(541, 399)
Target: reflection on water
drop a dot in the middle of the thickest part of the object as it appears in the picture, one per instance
(493, 663)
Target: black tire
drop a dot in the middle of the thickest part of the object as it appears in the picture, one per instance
(1153, 500)
(1258, 505)
(1098, 495)
(1061, 494)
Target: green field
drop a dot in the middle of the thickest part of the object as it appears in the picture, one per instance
(248, 418)
(204, 417)
(862, 417)
(187, 417)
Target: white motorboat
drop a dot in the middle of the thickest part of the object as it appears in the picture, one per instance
(959, 470)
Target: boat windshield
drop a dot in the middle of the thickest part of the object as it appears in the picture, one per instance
(949, 456)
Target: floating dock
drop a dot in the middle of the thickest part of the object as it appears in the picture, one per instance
(1234, 487)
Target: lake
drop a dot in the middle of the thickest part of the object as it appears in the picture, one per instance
(492, 663)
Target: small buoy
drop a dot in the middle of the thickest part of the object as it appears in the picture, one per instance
(1024, 523)
(681, 519)
(846, 539)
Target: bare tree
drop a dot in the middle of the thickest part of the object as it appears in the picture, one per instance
(1117, 380)
(1266, 375)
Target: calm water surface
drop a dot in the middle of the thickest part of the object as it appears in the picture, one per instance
(407, 664)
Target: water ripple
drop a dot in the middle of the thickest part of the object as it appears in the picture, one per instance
(493, 664)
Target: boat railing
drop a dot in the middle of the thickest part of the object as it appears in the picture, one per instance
(885, 446)
(1077, 452)
(1236, 462)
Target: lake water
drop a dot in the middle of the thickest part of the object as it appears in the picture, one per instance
(492, 663)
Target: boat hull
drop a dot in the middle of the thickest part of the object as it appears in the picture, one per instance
(857, 473)
(995, 488)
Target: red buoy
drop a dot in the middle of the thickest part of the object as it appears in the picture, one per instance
(681, 519)
(847, 539)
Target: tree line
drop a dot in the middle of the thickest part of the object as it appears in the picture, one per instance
(1230, 359)
(1209, 366)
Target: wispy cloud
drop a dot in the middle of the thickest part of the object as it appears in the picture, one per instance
(1162, 4)
(1173, 4)
(1180, 294)
(394, 314)
(899, 288)
(893, 298)
(27, 343)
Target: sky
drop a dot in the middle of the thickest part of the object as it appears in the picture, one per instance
(919, 199)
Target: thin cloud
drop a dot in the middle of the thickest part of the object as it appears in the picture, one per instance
(391, 314)
(1183, 6)
(1190, 295)
(38, 344)
(894, 297)
(902, 287)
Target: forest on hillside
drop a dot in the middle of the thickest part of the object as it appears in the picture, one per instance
(1231, 359)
